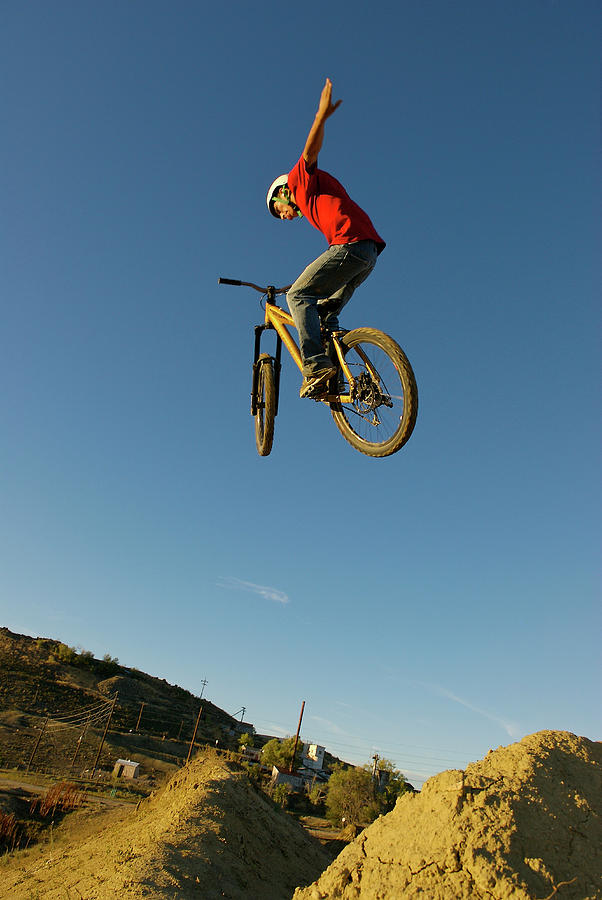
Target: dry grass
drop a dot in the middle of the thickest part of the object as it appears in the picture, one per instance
(62, 797)
(12, 834)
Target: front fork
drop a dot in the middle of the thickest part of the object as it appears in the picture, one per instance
(259, 329)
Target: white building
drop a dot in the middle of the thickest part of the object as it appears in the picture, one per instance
(313, 756)
(280, 776)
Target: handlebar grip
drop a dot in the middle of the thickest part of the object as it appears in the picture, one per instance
(228, 281)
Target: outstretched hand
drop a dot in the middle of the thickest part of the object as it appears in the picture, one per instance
(327, 107)
(313, 144)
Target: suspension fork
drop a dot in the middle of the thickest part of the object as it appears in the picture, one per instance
(259, 329)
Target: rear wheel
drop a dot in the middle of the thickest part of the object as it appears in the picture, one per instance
(382, 414)
(265, 405)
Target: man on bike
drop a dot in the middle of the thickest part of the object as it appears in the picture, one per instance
(318, 295)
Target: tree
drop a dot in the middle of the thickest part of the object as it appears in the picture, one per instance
(391, 784)
(281, 793)
(351, 796)
(245, 740)
(317, 795)
(280, 753)
(357, 797)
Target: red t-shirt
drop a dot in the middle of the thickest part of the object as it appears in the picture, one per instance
(326, 204)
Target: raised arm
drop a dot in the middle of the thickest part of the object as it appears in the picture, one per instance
(313, 144)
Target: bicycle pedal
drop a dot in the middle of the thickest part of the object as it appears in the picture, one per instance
(318, 393)
(310, 388)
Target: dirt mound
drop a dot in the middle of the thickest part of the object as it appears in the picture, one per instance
(207, 834)
(525, 822)
(129, 689)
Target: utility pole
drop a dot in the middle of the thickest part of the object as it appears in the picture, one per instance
(376, 758)
(79, 742)
(35, 749)
(104, 735)
(297, 738)
(204, 682)
(142, 705)
(198, 719)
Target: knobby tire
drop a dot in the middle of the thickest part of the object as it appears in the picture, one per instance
(381, 418)
(265, 403)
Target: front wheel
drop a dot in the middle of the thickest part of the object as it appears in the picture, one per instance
(384, 400)
(264, 404)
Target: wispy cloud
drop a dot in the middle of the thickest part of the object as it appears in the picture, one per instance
(511, 728)
(332, 726)
(272, 728)
(268, 593)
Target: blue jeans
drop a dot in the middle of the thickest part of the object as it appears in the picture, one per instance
(322, 290)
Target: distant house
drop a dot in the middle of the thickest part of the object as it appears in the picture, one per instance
(125, 768)
(302, 780)
(313, 756)
(280, 776)
(251, 753)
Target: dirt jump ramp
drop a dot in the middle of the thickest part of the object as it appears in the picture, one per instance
(524, 823)
(208, 835)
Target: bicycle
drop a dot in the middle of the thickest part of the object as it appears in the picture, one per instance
(373, 398)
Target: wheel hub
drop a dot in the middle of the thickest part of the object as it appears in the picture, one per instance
(367, 394)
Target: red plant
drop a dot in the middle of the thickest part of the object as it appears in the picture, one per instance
(62, 796)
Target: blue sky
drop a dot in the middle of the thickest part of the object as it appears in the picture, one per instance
(427, 606)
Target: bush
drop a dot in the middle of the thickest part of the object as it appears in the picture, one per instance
(280, 753)
(64, 654)
(350, 797)
(253, 770)
(280, 794)
(355, 797)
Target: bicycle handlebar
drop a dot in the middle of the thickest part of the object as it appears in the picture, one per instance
(262, 290)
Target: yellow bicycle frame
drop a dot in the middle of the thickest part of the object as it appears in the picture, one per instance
(278, 319)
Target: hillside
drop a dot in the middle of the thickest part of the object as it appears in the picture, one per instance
(42, 678)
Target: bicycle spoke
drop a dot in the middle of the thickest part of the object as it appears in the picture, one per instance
(374, 417)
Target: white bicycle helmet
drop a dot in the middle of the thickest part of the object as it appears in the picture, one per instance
(273, 190)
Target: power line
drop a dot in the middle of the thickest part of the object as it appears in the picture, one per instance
(75, 719)
(88, 720)
(417, 763)
(368, 747)
(82, 712)
(395, 752)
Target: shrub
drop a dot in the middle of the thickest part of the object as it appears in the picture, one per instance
(64, 654)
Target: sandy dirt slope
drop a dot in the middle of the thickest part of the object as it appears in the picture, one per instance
(208, 834)
(523, 823)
